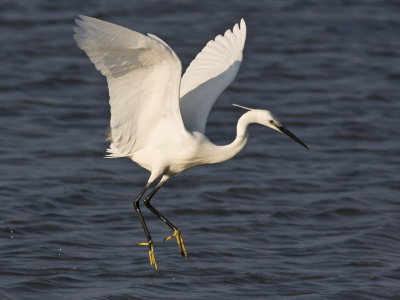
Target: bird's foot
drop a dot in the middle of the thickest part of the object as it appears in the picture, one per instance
(179, 239)
(151, 253)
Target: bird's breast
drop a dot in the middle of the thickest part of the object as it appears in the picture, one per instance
(173, 155)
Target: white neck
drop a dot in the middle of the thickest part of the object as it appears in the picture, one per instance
(223, 153)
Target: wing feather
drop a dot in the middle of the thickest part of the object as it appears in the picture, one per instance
(143, 75)
(208, 75)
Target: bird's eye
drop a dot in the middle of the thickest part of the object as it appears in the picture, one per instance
(272, 122)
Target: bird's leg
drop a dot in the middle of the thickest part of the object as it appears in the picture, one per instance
(149, 240)
(177, 233)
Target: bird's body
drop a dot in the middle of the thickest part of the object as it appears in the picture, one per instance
(175, 153)
(158, 119)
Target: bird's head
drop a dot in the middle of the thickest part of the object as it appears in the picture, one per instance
(267, 118)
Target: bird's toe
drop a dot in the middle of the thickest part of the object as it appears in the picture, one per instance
(151, 253)
(181, 245)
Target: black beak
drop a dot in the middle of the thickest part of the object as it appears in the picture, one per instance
(288, 133)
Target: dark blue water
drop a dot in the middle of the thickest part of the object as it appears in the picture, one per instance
(275, 222)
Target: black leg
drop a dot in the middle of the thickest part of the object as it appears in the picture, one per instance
(149, 206)
(149, 240)
(177, 233)
(137, 208)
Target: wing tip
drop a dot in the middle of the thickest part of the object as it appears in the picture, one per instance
(83, 17)
(243, 30)
(239, 32)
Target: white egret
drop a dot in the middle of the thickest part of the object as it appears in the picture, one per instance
(158, 119)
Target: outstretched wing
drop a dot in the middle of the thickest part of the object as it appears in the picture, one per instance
(143, 75)
(208, 75)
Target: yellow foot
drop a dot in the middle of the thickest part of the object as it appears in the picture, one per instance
(151, 253)
(181, 245)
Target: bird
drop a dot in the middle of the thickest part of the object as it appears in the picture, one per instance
(158, 115)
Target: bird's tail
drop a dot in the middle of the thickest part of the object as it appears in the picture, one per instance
(113, 152)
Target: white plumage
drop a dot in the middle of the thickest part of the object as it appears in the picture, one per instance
(158, 119)
(209, 74)
(143, 76)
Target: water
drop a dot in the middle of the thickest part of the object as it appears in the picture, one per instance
(276, 222)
